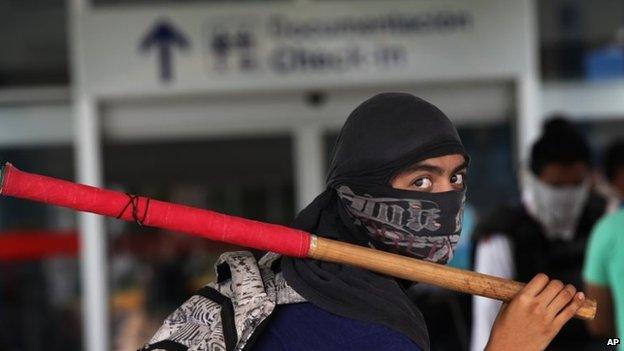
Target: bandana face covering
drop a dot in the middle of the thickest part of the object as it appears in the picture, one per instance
(557, 209)
(411, 223)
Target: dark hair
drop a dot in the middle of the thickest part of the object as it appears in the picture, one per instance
(614, 158)
(560, 142)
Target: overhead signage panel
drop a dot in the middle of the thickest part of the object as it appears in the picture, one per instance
(207, 48)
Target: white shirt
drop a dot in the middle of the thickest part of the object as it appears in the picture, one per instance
(493, 256)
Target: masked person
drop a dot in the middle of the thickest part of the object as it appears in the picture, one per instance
(547, 232)
(396, 183)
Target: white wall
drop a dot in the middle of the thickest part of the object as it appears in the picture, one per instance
(40, 124)
(582, 100)
(223, 115)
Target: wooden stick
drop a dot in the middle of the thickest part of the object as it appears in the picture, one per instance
(257, 235)
(426, 272)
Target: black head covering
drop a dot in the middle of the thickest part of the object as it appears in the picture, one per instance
(387, 133)
(614, 159)
(382, 136)
(560, 142)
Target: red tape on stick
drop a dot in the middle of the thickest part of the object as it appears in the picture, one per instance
(154, 213)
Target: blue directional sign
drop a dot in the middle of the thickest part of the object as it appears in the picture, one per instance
(163, 38)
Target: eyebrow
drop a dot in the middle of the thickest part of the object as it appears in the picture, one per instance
(434, 169)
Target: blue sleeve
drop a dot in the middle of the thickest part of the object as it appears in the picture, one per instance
(382, 341)
(305, 327)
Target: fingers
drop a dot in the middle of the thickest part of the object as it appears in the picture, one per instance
(561, 300)
(551, 291)
(536, 285)
(568, 312)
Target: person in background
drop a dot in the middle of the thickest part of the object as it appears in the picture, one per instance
(604, 275)
(614, 171)
(547, 232)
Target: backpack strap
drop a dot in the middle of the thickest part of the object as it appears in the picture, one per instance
(227, 315)
(166, 345)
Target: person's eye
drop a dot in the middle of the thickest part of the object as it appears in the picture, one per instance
(423, 183)
(458, 179)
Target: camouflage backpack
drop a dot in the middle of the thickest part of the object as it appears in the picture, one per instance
(230, 313)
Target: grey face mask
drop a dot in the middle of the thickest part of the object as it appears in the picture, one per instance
(410, 223)
(557, 209)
